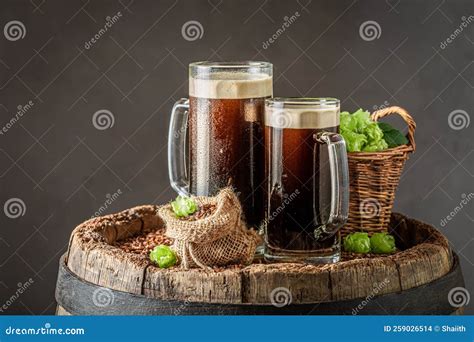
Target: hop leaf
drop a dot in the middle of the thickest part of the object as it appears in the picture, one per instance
(163, 256)
(392, 136)
(184, 206)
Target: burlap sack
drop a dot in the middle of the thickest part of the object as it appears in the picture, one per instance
(216, 240)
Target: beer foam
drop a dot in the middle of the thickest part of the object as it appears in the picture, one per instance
(229, 85)
(321, 116)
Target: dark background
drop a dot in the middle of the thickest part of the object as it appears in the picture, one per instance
(64, 169)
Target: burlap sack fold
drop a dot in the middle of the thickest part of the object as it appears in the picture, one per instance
(216, 240)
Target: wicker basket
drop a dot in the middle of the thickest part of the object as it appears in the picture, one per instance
(374, 178)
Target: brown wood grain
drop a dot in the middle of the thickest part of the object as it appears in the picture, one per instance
(92, 257)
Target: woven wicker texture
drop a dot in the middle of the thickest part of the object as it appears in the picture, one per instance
(217, 240)
(374, 178)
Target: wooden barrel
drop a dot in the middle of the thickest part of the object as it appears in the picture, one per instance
(97, 278)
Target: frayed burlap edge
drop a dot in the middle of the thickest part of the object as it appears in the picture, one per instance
(216, 240)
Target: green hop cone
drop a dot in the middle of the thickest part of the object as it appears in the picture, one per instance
(344, 119)
(354, 141)
(360, 121)
(163, 256)
(382, 243)
(373, 132)
(357, 243)
(375, 146)
(375, 141)
(183, 206)
(361, 133)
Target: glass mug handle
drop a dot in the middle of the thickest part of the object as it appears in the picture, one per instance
(177, 147)
(339, 172)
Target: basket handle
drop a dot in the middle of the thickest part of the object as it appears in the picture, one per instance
(405, 116)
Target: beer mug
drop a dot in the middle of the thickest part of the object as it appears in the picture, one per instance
(306, 166)
(216, 136)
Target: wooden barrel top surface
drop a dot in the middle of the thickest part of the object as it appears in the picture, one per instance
(425, 257)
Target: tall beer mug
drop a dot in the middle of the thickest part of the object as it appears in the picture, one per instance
(216, 136)
(308, 195)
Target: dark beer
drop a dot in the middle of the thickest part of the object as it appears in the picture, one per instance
(226, 144)
(299, 196)
(299, 199)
